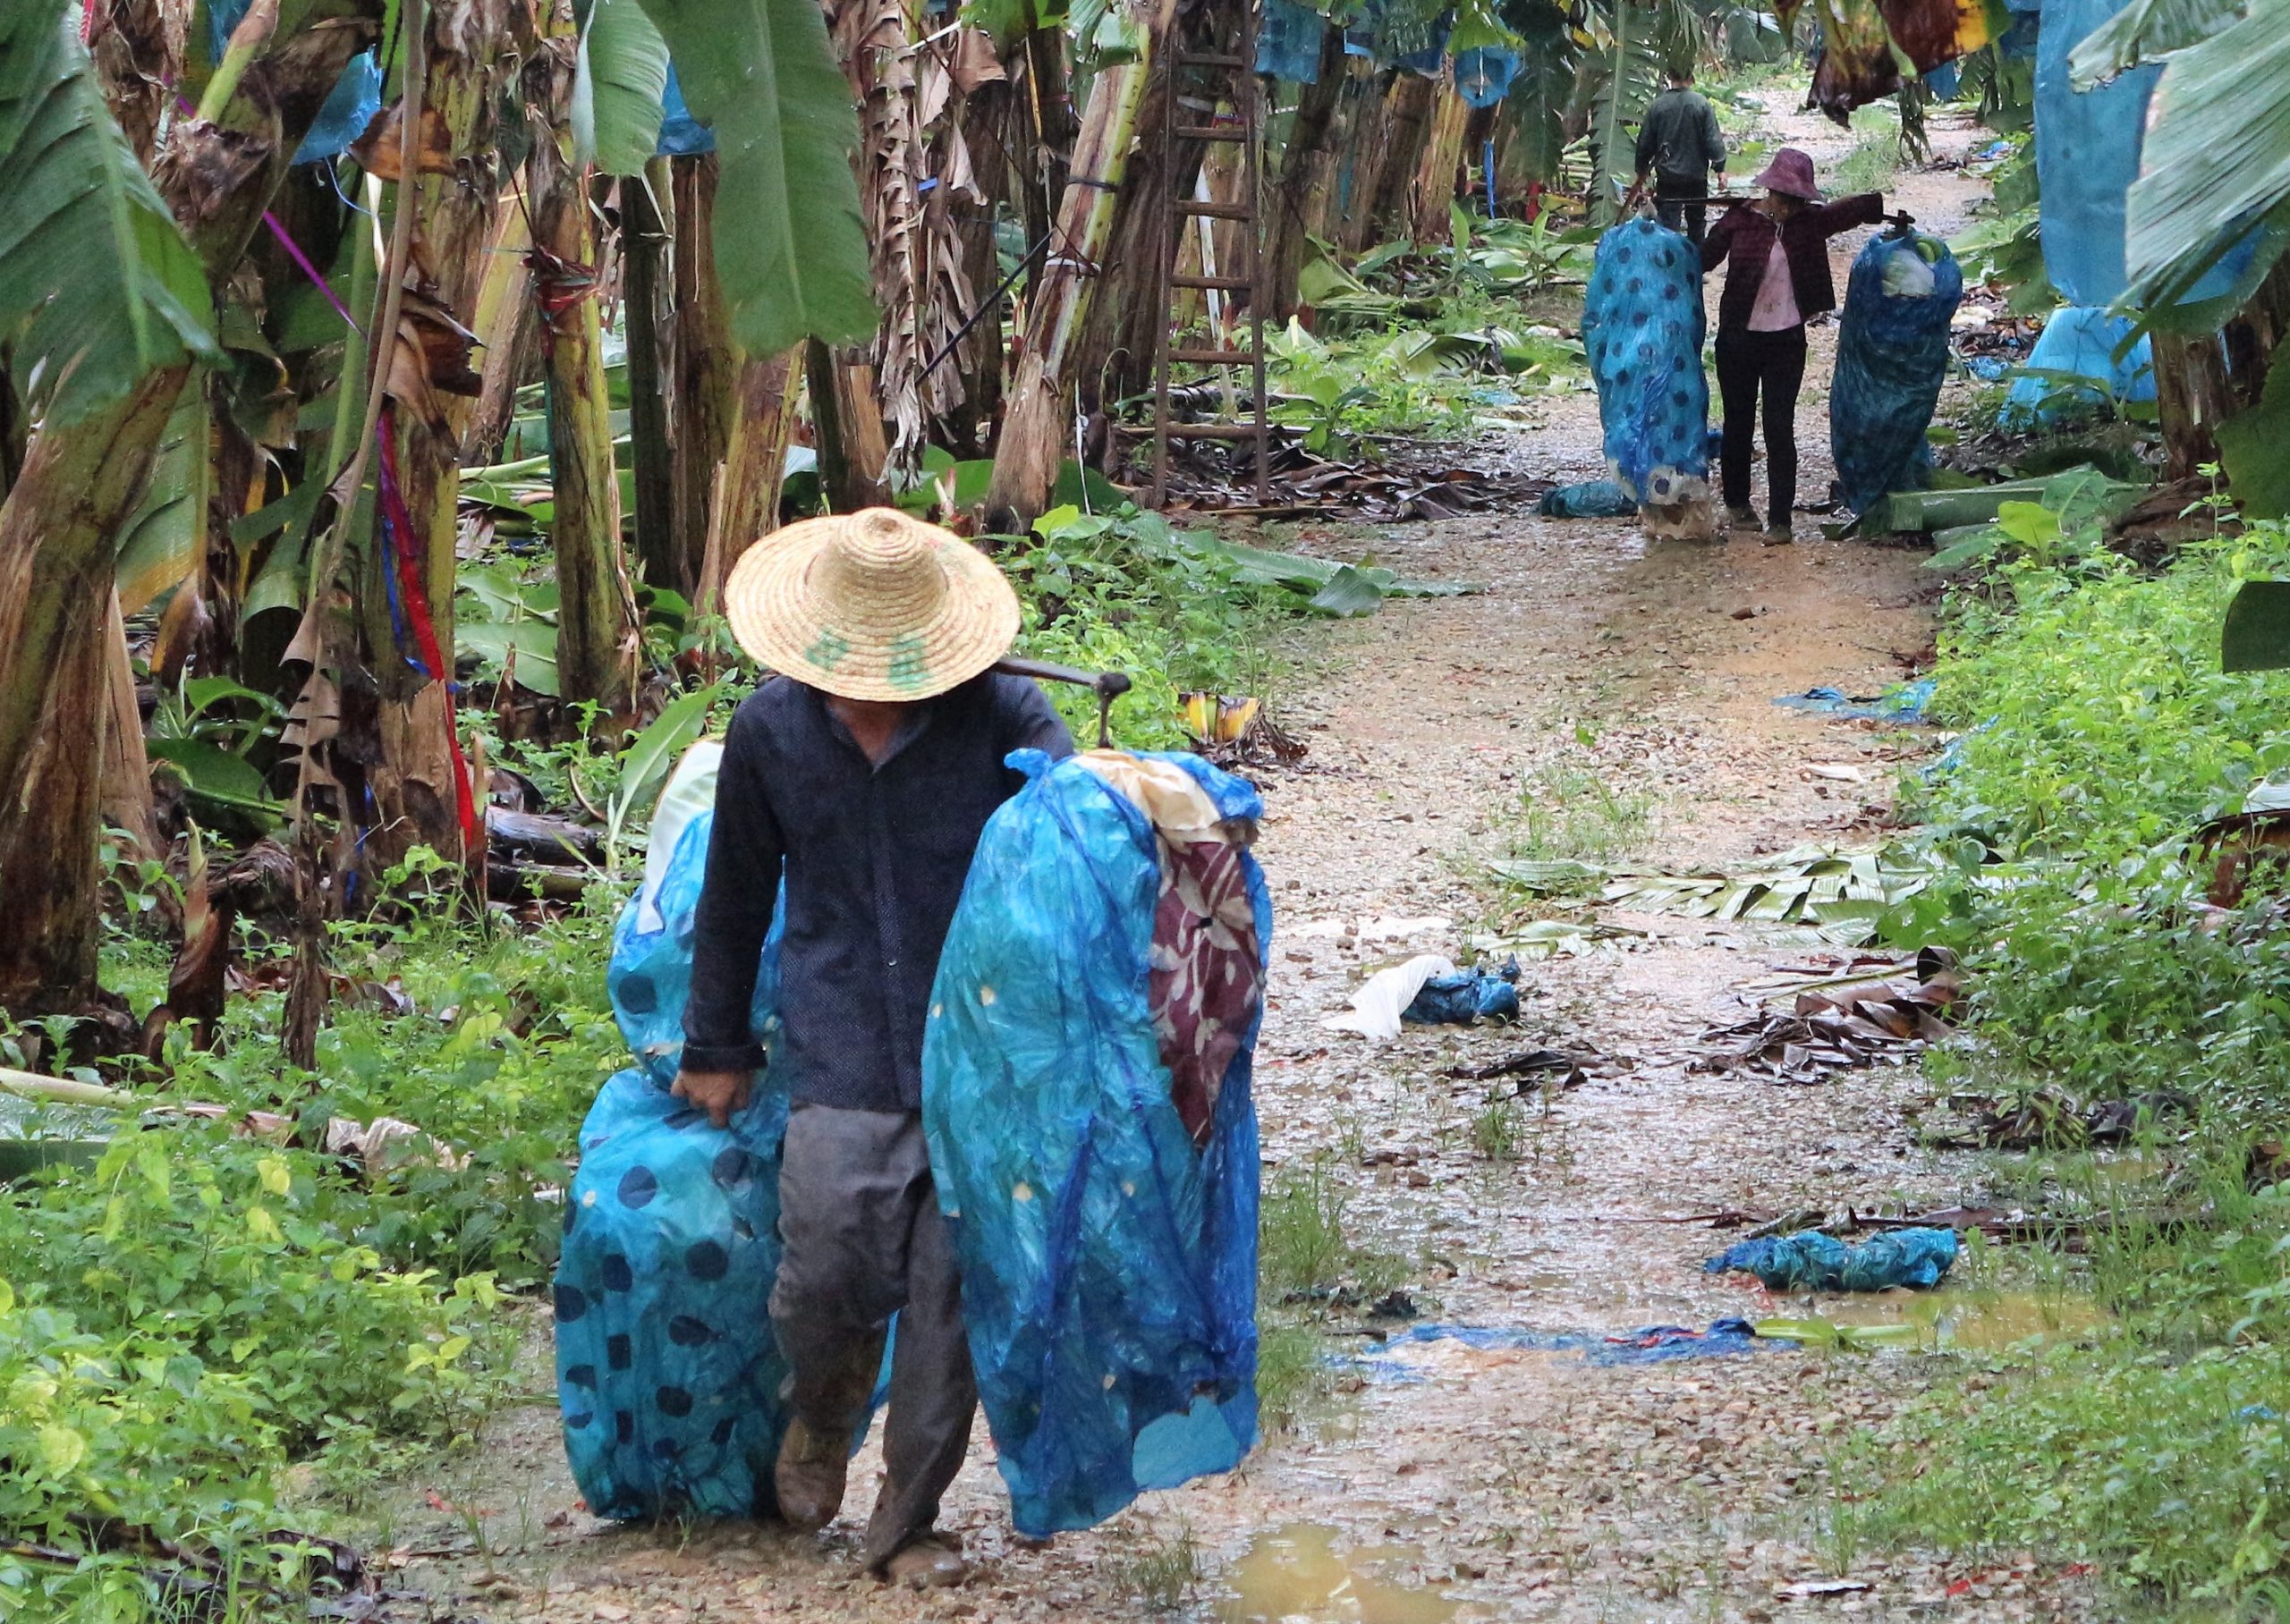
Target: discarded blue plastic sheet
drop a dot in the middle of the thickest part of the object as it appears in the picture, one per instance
(1594, 499)
(1643, 325)
(1989, 368)
(1108, 1265)
(2077, 342)
(1810, 1261)
(1465, 996)
(1892, 357)
(668, 1376)
(1646, 1345)
(1906, 704)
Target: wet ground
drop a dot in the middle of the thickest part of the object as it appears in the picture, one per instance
(1605, 692)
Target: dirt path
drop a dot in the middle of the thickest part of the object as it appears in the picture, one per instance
(1626, 689)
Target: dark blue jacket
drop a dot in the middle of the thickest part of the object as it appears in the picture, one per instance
(875, 857)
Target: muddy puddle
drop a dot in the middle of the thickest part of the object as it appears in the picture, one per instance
(1970, 1320)
(1296, 1575)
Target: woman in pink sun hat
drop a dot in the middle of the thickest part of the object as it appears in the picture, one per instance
(1779, 281)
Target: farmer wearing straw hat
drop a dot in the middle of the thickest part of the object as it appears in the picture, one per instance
(1779, 281)
(870, 769)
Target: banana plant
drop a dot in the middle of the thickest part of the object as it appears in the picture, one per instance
(1628, 44)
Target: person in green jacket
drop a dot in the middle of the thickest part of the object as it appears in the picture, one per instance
(1679, 148)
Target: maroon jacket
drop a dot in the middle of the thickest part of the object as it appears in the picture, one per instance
(1747, 233)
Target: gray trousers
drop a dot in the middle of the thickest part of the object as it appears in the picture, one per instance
(864, 1237)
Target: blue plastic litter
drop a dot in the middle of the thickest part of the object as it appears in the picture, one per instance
(1467, 995)
(1944, 81)
(348, 108)
(2076, 343)
(1594, 499)
(1483, 74)
(1907, 703)
(1108, 1265)
(1892, 357)
(1642, 326)
(1810, 1261)
(680, 134)
(667, 1374)
(1288, 41)
(1647, 1345)
(1989, 368)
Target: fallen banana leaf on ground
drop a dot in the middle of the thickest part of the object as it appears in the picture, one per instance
(1841, 893)
(1828, 1032)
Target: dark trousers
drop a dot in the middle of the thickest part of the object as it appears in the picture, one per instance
(859, 1215)
(1687, 215)
(1772, 364)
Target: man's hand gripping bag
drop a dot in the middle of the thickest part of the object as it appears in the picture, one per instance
(1086, 1092)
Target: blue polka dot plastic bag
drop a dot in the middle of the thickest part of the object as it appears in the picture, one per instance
(1892, 355)
(1086, 1093)
(667, 1372)
(1642, 326)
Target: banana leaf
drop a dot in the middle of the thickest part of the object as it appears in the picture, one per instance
(2216, 155)
(98, 286)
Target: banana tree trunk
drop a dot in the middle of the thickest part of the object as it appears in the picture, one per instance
(59, 530)
(1442, 160)
(2192, 396)
(508, 326)
(706, 368)
(419, 782)
(994, 109)
(1046, 133)
(872, 37)
(646, 290)
(1407, 124)
(847, 428)
(747, 488)
(1038, 422)
(56, 533)
(596, 618)
(1306, 173)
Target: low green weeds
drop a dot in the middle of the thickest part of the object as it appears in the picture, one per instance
(1567, 811)
(2100, 733)
(1161, 1570)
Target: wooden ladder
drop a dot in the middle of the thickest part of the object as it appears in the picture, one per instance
(1245, 127)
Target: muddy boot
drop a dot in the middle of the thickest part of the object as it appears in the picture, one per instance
(1780, 534)
(930, 1562)
(810, 1475)
(1741, 519)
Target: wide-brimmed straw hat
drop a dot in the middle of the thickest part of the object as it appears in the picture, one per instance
(1791, 173)
(871, 605)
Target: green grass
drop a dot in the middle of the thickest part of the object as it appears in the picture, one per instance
(1161, 1569)
(1568, 811)
(1496, 1132)
(2157, 1449)
(1874, 162)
